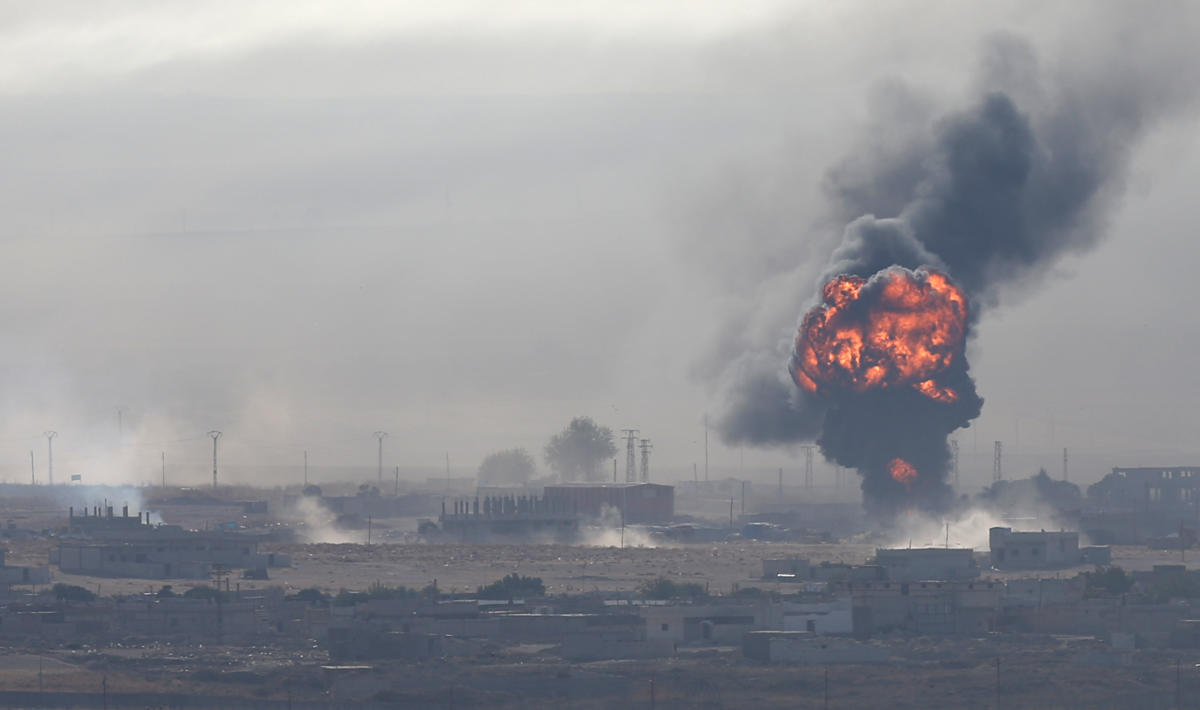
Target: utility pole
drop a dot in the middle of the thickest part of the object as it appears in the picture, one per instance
(781, 482)
(306, 468)
(997, 468)
(630, 463)
(380, 435)
(396, 491)
(32, 471)
(954, 459)
(646, 446)
(215, 435)
(164, 468)
(1065, 463)
(50, 455)
(706, 448)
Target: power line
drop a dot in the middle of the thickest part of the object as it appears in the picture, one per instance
(215, 435)
(50, 455)
(630, 458)
(646, 446)
(380, 435)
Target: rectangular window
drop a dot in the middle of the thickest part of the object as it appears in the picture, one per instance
(666, 627)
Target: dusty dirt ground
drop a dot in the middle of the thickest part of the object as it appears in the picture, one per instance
(565, 569)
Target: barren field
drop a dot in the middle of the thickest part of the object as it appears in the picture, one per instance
(563, 568)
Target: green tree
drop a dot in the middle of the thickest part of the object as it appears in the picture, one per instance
(513, 586)
(204, 592)
(72, 593)
(507, 467)
(576, 452)
(312, 595)
(663, 588)
(1107, 582)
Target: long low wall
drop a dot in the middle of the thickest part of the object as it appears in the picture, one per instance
(171, 701)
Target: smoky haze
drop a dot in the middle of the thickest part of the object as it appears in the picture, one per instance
(465, 226)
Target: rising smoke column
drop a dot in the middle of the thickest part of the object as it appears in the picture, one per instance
(986, 196)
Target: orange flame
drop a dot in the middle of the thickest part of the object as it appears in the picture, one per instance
(902, 471)
(907, 333)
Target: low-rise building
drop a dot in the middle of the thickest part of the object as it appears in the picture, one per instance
(17, 575)
(703, 623)
(1033, 550)
(926, 563)
(928, 607)
(163, 552)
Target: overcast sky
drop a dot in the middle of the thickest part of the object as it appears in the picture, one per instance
(466, 222)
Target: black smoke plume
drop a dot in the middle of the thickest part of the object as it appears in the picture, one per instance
(990, 194)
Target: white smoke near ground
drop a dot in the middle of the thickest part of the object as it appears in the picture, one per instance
(314, 523)
(966, 528)
(607, 531)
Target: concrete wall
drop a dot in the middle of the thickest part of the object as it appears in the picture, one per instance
(911, 565)
(599, 647)
(24, 575)
(805, 649)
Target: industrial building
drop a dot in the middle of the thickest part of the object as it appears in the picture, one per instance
(522, 517)
(637, 503)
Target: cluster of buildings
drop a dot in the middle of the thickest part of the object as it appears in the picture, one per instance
(827, 614)
(1143, 505)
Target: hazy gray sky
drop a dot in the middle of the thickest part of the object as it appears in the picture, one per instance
(466, 222)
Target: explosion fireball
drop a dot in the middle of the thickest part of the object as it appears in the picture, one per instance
(902, 471)
(901, 328)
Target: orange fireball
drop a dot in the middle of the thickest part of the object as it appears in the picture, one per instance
(902, 471)
(901, 329)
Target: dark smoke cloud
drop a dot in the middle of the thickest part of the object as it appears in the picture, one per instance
(992, 194)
